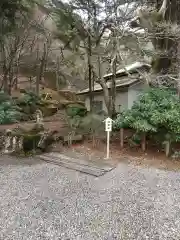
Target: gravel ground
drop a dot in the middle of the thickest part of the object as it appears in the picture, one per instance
(44, 201)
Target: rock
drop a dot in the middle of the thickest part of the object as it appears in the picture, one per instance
(48, 110)
(2, 138)
(30, 137)
(46, 141)
(65, 103)
(52, 95)
(69, 95)
(30, 142)
(27, 139)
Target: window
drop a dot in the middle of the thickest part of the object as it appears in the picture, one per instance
(97, 106)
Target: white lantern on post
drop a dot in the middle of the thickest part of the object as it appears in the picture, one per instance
(108, 128)
(108, 124)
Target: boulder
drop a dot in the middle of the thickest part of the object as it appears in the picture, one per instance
(48, 110)
(30, 137)
(65, 103)
(46, 141)
(52, 95)
(69, 95)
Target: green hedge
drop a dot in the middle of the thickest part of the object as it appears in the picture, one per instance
(156, 111)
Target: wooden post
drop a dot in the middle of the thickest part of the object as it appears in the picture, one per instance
(30, 82)
(14, 143)
(108, 140)
(7, 144)
(93, 140)
(20, 143)
(143, 143)
(168, 148)
(122, 137)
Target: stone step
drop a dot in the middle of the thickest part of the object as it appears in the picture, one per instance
(76, 164)
(96, 164)
(70, 165)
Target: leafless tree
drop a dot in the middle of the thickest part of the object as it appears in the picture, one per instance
(162, 29)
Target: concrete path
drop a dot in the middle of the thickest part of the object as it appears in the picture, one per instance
(44, 201)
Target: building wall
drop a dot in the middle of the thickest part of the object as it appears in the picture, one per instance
(121, 101)
(124, 100)
(134, 92)
(97, 97)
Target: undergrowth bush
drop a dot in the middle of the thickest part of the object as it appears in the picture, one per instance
(28, 99)
(9, 111)
(92, 124)
(157, 111)
(22, 108)
(89, 125)
(76, 109)
(28, 102)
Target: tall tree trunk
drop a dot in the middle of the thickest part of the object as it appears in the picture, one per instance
(113, 88)
(5, 79)
(41, 70)
(10, 82)
(90, 72)
(5, 68)
(165, 37)
(89, 53)
(100, 80)
(172, 10)
(107, 98)
(167, 41)
(57, 73)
